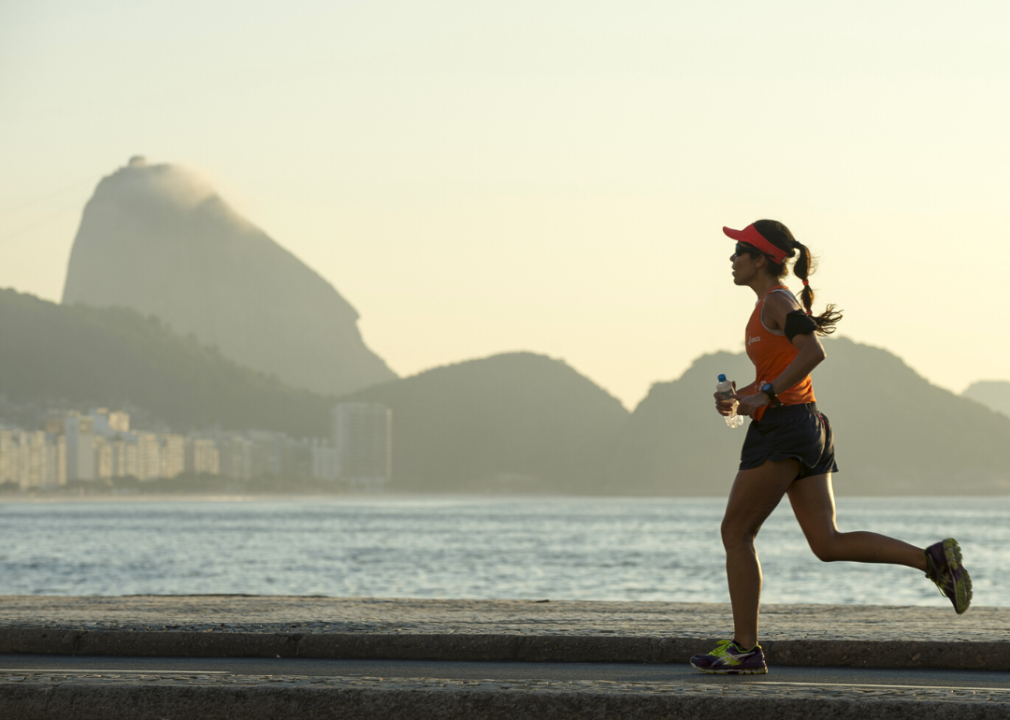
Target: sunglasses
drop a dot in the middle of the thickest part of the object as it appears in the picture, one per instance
(744, 249)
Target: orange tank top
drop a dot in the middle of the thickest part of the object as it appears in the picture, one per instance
(772, 353)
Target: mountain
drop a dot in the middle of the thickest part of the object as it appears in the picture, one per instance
(84, 356)
(994, 394)
(895, 433)
(155, 239)
(516, 421)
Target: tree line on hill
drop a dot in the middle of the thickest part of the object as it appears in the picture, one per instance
(81, 356)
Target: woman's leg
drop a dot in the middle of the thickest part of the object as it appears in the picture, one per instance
(754, 495)
(814, 506)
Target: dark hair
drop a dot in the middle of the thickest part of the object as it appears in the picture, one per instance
(778, 235)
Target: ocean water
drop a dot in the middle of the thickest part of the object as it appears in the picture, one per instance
(534, 548)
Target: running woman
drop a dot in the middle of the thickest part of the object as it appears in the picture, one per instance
(789, 450)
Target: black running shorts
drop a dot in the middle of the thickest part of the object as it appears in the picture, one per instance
(791, 431)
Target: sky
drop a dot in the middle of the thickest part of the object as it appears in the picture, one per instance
(481, 177)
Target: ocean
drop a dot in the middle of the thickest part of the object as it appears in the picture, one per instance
(559, 548)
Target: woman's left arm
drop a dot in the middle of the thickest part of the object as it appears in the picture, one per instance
(811, 354)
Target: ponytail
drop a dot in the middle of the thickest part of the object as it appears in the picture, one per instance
(803, 268)
(778, 235)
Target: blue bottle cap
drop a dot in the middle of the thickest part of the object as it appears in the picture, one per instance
(722, 378)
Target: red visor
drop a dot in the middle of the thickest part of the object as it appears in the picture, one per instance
(750, 236)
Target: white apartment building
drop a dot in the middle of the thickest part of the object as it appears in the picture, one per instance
(56, 460)
(266, 453)
(9, 457)
(80, 435)
(32, 459)
(103, 458)
(202, 456)
(148, 456)
(363, 438)
(235, 457)
(125, 456)
(172, 455)
(325, 460)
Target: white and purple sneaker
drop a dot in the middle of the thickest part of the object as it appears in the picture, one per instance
(731, 659)
(944, 567)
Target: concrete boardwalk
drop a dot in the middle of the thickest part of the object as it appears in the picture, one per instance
(285, 627)
(106, 695)
(497, 630)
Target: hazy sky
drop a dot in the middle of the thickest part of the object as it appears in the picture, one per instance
(481, 177)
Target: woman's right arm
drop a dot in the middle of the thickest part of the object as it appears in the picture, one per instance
(725, 407)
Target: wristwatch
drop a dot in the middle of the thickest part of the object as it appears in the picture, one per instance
(769, 390)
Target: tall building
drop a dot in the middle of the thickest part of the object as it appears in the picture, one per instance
(325, 460)
(103, 458)
(148, 456)
(33, 449)
(235, 457)
(56, 463)
(9, 457)
(80, 434)
(202, 456)
(125, 456)
(363, 437)
(24, 459)
(266, 453)
(172, 455)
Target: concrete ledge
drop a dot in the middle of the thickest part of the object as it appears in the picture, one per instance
(950, 655)
(251, 697)
(497, 630)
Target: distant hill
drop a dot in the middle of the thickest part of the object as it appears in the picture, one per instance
(155, 239)
(895, 433)
(115, 357)
(994, 394)
(516, 421)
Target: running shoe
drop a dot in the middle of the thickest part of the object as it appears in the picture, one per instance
(943, 567)
(731, 659)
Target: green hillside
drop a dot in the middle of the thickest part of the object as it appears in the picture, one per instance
(113, 357)
(674, 442)
(895, 433)
(907, 435)
(516, 421)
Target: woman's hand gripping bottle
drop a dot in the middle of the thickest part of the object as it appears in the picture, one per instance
(725, 390)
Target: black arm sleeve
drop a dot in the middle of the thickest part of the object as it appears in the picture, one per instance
(799, 323)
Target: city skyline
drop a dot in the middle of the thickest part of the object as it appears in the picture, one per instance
(98, 447)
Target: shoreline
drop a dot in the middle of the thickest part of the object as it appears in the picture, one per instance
(15, 499)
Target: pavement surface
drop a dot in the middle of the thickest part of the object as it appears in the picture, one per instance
(497, 630)
(243, 657)
(377, 616)
(499, 672)
(170, 688)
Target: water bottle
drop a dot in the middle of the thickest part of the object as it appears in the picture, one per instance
(725, 389)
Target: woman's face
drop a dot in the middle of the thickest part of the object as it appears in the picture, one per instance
(745, 267)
